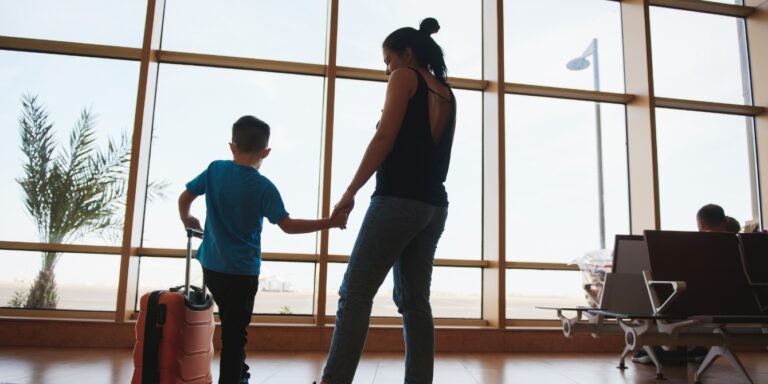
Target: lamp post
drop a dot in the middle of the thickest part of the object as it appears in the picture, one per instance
(578, 64)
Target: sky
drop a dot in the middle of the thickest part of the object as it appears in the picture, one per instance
(551, 148)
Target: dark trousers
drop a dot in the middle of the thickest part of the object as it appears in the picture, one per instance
(234, 295)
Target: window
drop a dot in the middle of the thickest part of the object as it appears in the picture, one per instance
(82, 21)
(704, 60)
(735, 2)
(363, 26)
(703, 158)
(542, 37)
(528, 289)
(285, 288)
(195, 110)
(455, 293)
(294, 31)
(64, 86)
(82, 281)
(552, 178)
(358, 108)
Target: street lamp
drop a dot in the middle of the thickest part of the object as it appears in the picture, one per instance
(578, 64)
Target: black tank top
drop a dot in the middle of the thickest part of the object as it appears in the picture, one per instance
(416, 167)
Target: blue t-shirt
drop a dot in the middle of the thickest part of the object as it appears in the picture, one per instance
(237, 199)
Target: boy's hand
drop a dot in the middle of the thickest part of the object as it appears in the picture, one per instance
(191, 222)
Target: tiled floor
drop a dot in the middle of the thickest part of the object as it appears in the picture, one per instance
(105, 366)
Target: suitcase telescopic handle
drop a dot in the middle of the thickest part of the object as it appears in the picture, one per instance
(191, 232)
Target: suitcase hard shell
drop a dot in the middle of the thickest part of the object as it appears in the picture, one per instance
(174, 334)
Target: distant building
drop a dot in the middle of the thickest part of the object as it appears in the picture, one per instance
(274, 284)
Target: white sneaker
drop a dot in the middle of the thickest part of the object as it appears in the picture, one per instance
(641, 357)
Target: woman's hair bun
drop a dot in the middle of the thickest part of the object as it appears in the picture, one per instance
(429, 26)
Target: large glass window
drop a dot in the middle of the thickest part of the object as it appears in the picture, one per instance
(64, 86)
(363, 26)
(735, 2)
(564, 43)
(285, 288)
(83, 21)
(290, 31)
(528, 289)
(358, 108)
(552, 180)
(703, 158)
(195, 110)
(699, 56)
(59, 280)
(455, 293)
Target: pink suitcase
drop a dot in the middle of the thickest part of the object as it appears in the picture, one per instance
(174, 334)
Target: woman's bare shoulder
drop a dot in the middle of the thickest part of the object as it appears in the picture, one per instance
(404, 78)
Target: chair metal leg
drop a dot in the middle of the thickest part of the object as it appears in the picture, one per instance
(714, 353)
(711, 357)
(623, 357)
(736, 363)
(659, 373)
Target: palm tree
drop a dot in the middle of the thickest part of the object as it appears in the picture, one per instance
(68, 192)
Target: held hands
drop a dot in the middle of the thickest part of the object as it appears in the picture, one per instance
(338, 219)
(191, 222)
(343, 208)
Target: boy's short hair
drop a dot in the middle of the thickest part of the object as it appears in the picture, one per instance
(711, 216)
(249, 134)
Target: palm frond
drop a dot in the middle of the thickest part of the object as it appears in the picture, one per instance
(38, 145)
(71, 193)
(157, 190)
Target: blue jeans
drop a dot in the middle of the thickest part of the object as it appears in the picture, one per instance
(401, 234)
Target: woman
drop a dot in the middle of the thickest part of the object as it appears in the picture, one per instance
(410, 153)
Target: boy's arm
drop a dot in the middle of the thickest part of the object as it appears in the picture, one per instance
(185, 203)
(293, 226)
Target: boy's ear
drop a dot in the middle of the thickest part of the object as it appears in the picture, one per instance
(265, 152)
(233, 148)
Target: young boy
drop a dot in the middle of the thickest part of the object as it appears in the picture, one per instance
(237, 198)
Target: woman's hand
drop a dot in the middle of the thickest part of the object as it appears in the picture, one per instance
(345, 204)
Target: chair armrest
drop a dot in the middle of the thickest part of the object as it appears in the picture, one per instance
(677, 288)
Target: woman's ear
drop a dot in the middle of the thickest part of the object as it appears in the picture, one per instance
(409, 56)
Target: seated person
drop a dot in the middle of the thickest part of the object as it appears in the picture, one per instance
(711, 218)
(732, 225)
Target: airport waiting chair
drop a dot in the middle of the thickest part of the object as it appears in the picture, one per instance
(754, 255)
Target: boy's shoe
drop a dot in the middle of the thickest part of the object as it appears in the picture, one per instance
(641, 357)
(674, 357)
(697, 354)
(244, 378)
